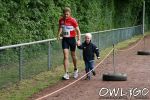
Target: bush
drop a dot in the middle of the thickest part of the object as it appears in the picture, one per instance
(32, 20)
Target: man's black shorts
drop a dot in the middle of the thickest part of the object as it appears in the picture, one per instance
(69, 43)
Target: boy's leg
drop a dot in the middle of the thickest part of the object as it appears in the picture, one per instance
(92, 63)
(87, 69)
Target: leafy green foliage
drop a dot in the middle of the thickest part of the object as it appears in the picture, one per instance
(31, 20)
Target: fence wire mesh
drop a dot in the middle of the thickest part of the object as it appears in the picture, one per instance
(22, 62)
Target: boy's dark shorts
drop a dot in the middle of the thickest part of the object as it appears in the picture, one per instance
(69, 43)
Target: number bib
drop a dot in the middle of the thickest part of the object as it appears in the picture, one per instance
(66, 33)
(66, 30)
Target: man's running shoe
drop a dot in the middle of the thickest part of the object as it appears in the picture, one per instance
(75, 74)
(66, 76)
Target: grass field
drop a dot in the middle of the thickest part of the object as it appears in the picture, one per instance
(26, 88)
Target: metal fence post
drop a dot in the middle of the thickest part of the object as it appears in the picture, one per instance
(113, 40)
(49, 57)
(114, 58)
(81, 50)
(80, 54)
(20, 62)
(143, 17)
(99, 40)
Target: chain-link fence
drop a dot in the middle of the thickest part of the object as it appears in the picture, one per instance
(22, 61)
(104, 39)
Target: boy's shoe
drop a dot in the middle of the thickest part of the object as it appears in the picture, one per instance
(94, 73)
(75, 74)
(66, 76)
(88, 78)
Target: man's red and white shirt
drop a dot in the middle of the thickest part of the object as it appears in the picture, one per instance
(68, 26)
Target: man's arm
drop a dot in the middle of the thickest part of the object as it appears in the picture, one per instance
(78, 36)
(59, 33)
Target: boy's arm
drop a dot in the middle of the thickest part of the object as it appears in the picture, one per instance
(80, 46)
(96, 50)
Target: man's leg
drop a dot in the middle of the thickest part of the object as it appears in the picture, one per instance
(66, 60)
(73, 55)
(65, 47)
(72, 44)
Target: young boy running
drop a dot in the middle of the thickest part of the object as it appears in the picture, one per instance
(89, 49)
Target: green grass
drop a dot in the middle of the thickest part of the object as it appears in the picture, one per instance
(127, 43)
(26, 88)
(9, 73)
(147, 33)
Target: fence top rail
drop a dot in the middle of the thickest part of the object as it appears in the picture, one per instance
(54, 39)
(25, 44)
(113, 29)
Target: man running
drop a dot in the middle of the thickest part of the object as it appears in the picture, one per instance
(68, 27)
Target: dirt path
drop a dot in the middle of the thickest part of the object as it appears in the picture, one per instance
(137, 68)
